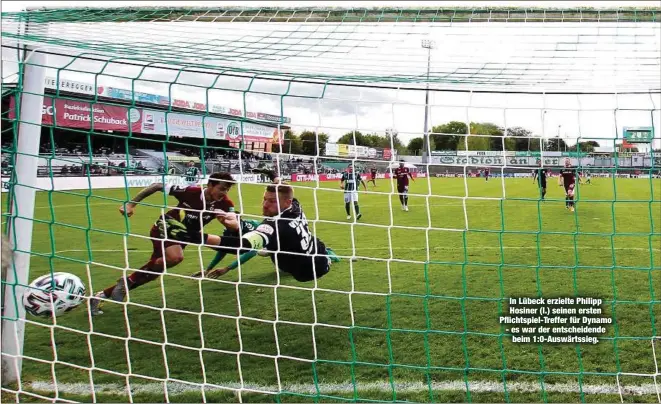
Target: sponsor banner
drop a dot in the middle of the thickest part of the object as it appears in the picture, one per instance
(344, 150)
(128, 95)
(507, 161)
(184, 125)
(337, 177)
(444, 153)
(77, 114)
(72, 86)
(119, 181)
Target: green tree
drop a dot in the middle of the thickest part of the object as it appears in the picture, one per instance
(416, 145)
(449, 135)
(309, 143)
(555, 144)
(584, 147)
(291, 144)
(522, 140)
(348, 138)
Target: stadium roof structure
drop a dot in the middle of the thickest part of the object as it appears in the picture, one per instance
(504, 49)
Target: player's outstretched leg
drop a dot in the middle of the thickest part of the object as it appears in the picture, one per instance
(347, 207)
(174, 254)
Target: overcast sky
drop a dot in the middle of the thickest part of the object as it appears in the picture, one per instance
(533, 56)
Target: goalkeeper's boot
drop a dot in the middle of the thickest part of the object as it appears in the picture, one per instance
(96, 303)
(331, 254)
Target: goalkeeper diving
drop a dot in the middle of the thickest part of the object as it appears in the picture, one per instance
(284, 236)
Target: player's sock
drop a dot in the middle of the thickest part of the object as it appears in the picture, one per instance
(136, 279)
(566, 201)
(220, 254)
(543, 192)
(347, 206)
(406, 200)
(401, 199)
(356, 208)
(571, 201)
(331, 254)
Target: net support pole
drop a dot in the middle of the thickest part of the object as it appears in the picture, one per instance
(22, 211)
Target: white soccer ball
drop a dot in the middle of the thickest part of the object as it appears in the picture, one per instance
(67, 292)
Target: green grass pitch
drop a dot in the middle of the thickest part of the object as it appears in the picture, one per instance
(386, 326)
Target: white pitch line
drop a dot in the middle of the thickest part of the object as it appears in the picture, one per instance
(175, 388)
(433, 248)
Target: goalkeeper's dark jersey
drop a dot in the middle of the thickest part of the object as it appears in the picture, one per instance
(289, 233)
(192, 207)
(351, 181)
(191, 174)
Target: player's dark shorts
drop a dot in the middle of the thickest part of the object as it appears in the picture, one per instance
(542, 183)
(373, 176)
(402, 189)
(569, 187)
(160, 245)
(301, 266)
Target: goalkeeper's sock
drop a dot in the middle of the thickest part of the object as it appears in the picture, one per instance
(357, 208)
(219, 257)
(331, 254)
(347, 206)
(243, 258)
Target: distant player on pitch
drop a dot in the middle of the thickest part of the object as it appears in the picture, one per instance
(373, 173)
(349, 183)
(284, 236)
(567, 179)
(192, 174)
(486, 173)
(540, 175)
(403, 174)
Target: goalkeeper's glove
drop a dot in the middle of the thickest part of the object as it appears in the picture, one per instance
(172, 229)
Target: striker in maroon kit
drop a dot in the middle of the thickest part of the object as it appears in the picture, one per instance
(403, 174)
(568, 179)
(172, 231)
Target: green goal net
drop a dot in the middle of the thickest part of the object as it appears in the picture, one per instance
(502, 243)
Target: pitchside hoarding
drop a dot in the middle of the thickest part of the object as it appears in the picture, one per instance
(80, 115)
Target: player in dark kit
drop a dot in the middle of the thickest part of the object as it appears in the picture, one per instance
(540, 175)
(349, 183)
(373, 173)
(403, 174)
(173, 230)
(486, 174)
(192, 174)
(285, 236)
(568, 179)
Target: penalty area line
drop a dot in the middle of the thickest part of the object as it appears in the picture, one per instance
(175, 388)
(358, 249)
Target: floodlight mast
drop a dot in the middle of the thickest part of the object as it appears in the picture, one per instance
(429, 45)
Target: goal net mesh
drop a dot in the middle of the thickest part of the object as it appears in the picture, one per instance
(413, 310)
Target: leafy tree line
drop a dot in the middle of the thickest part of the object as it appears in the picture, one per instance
(306, 143)
(515, 138)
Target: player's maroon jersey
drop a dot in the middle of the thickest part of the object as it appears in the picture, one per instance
(486, 171)
(192, 204)
(373, 172)
(402, 175)
(568, 176)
